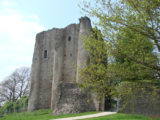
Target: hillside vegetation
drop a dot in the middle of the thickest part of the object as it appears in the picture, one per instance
(38, 115)
(11, 107)
(46, 115)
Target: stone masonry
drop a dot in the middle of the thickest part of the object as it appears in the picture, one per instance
(54, 75)
(57, 53)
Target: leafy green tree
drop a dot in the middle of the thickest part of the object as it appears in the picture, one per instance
(93, 73)
(95, 76)
(137, 16)
(136, 80)
(131, 35)
(131, 51)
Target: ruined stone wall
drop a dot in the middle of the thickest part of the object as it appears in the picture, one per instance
(54, 76)
(42, 72)
(56, 55)
(85, 28)
(65, 58)
(70, 53)
(143, 103)
(35, 71)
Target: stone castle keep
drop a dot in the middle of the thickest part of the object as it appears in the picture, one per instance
(54, 75)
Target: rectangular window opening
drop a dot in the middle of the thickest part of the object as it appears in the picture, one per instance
(45, 54)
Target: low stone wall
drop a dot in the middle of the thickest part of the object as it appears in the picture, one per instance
(141, 103)
(71, 99)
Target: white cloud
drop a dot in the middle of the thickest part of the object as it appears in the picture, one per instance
(17, 38)
(7, 3)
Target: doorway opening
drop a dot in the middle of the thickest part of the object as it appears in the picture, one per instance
(110, 104)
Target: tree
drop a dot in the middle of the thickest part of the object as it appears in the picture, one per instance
(95, 76)
(15, 86)
(94, 72)
(131, 31)
(131, 51)
(137, 16)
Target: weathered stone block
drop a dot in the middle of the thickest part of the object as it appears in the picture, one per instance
(71, 99)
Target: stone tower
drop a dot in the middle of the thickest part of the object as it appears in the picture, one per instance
(54, 75)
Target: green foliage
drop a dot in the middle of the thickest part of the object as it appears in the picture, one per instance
(131, 51)
(94, 75)
(21, 104)
(131, 17)
(131, 31)
(18, 106)
(122, 117)
(46, 115)
(131, 93)
(39, 115)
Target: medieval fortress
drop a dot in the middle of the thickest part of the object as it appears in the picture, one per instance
(56, 53)
(54, 75)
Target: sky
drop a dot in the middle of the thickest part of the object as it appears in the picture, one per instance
(21, 20)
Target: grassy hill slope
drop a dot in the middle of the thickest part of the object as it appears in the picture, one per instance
(46, 115)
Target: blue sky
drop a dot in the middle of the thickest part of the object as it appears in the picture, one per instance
(20, 20)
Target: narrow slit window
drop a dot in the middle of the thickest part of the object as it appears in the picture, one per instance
(45, 54)
(69, 38)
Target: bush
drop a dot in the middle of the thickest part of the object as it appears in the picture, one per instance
(18, 106)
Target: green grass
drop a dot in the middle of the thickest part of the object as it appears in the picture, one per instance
(39, 115)
(120, 116)
(46, 115)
